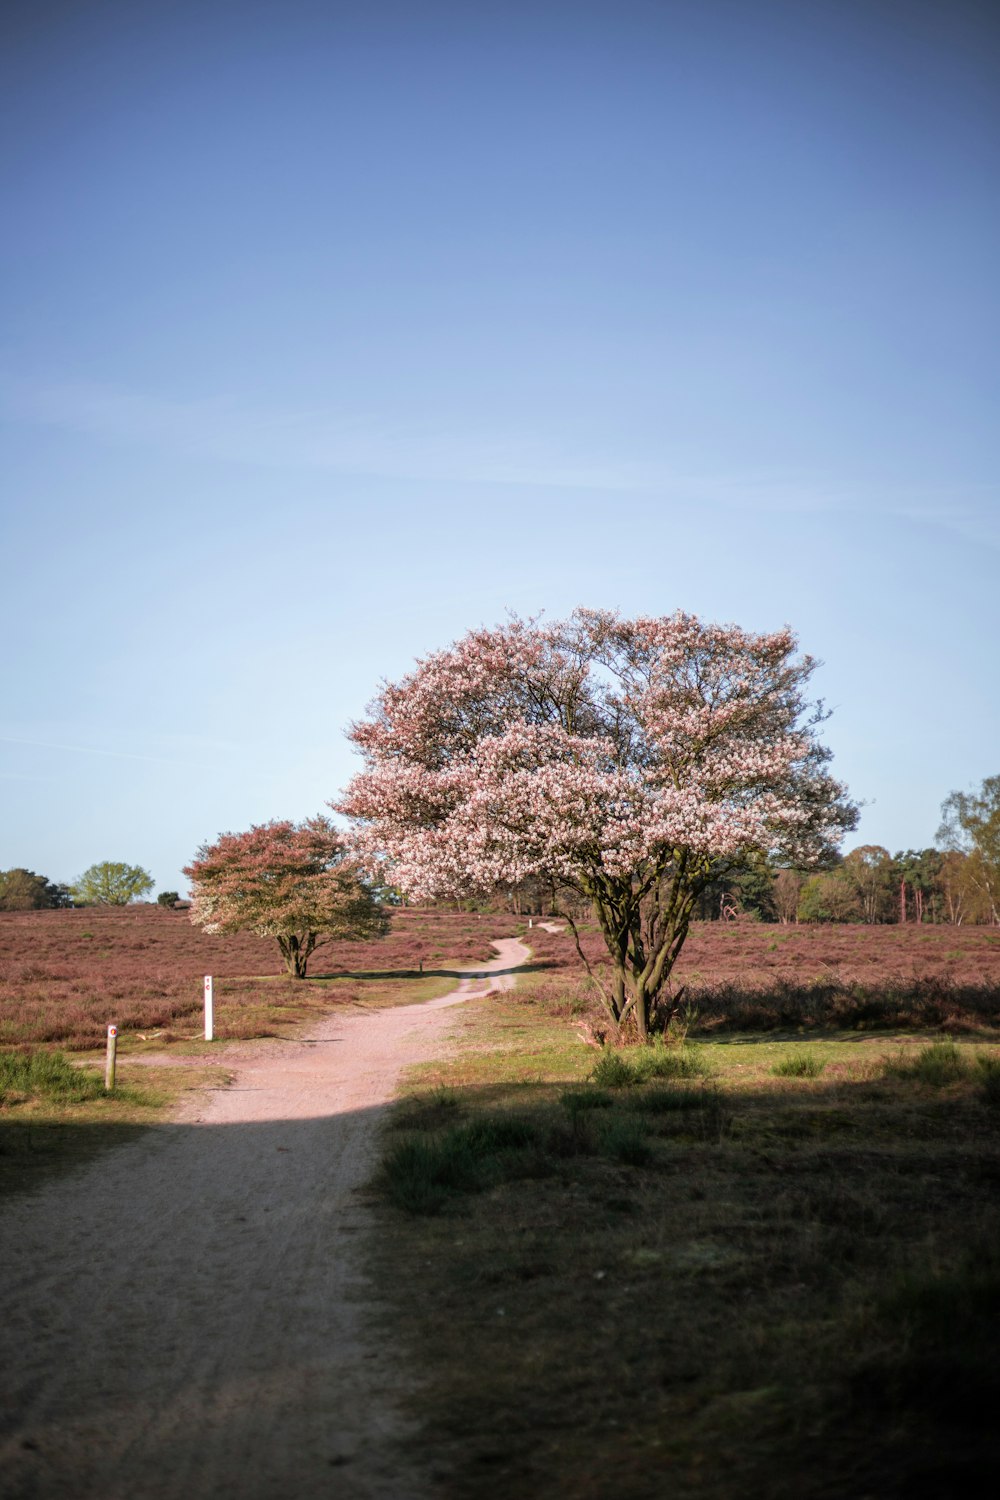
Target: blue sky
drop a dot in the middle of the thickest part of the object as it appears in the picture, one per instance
(331, 331)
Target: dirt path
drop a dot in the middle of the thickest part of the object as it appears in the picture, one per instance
(184, 1318)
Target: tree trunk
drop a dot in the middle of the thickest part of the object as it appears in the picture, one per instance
(295, 950)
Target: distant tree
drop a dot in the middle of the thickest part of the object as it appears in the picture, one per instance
(739, 893)
(111, 884)
(23, 890)
(917, 872)
(785, 895)
(970, 825)
(869, 871)
(959, 897)
(292, 882)
(754, 891)
(828, 897)
(168, 898)
(630, 762)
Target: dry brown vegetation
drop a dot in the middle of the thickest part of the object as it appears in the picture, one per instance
(66, 975)
(749, 976)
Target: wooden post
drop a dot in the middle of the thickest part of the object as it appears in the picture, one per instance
(109, 1062)
(209, 1009)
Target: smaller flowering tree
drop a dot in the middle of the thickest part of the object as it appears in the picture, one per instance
(628, 762)
(292, 882)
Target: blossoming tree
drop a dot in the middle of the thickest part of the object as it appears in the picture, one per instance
(286, 881)
(628, 761)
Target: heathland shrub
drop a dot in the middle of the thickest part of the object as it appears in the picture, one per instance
(898, 1002)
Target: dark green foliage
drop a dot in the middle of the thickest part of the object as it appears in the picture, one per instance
(23, 890)
(168, 898)
(613, 1071)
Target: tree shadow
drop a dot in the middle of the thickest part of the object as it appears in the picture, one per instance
(187, 1308)
(533, 967)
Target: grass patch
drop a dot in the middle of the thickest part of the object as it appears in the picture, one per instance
(799, 1065)
(422, 1176)
(988, 1065)
(701, 1279)
(627, 1141)
(938, 1065)
(26, 1076)
(621, 1069)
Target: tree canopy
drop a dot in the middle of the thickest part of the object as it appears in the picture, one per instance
(23, 890)
(630, 762)
(292, 882)
(970, 825)
(111, 883)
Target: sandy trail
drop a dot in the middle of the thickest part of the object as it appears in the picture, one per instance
(185, 1317)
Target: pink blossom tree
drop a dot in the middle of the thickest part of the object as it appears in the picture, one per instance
(627, 761)
(286, 881)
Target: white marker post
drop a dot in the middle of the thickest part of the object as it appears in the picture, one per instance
(209, 1009)
(109, 1061)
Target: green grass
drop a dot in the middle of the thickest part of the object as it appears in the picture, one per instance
(700, 1278)
(938, 1065)
(799, 1065)
(422, 1175)
(625, 1068)
(27, 1076)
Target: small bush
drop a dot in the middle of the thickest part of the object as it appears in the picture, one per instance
(626, 1140)
(799, 1065)
(659, 1061)
(613, 1071)
(421, 1175)
(937, 1065)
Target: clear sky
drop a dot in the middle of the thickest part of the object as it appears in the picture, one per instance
(330, 331)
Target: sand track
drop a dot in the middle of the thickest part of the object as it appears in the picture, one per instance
(186, 1316)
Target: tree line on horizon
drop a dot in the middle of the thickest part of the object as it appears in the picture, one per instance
(956, 882)
(648, 771)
